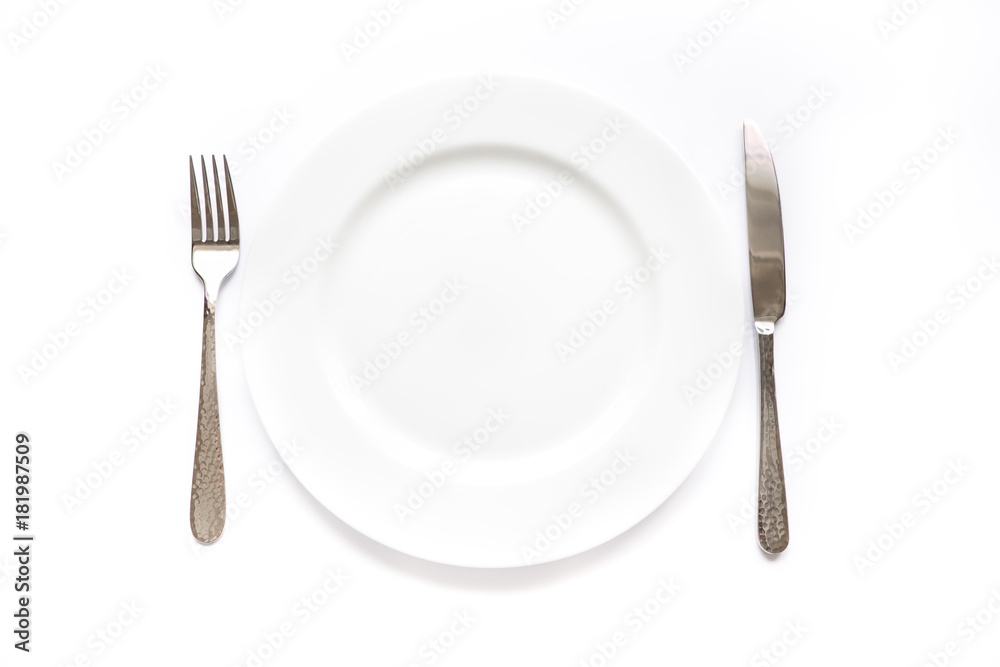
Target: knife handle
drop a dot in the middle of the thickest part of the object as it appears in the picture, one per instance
(772, 512)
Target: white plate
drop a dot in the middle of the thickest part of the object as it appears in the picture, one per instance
(480, 389)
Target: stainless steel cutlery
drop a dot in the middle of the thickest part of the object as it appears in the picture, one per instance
(215, 251)
(767, 287)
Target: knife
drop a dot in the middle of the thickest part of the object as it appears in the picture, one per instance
(767, 288)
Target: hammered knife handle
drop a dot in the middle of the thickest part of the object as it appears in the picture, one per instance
(772, 512)
(208, 483)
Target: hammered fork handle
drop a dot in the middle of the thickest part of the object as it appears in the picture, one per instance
(208, 484)
(772, 512)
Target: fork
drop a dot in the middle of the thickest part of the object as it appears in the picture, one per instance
(214, 255)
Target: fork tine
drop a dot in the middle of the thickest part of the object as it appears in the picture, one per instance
(234, 218)
(218, 202)
(210, 232)
(197, 235)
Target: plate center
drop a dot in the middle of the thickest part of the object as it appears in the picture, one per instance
(492, 307)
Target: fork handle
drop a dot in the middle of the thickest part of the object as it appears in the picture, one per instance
(208, 483)
(772, 512)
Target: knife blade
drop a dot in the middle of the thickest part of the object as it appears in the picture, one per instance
(767, 287)
(767, 246)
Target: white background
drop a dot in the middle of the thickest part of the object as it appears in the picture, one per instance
(851, 304)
